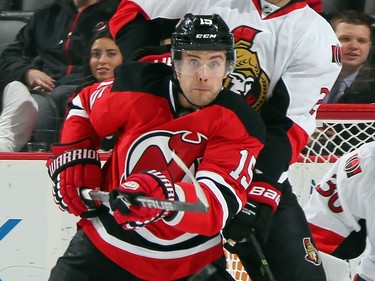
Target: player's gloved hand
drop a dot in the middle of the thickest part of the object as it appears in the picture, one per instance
(73, 167)
(262, 201)
(151, 183)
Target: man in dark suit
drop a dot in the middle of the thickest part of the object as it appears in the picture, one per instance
(355, 82)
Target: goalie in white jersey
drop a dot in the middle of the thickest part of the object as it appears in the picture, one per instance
(288, 57)
(341, 210)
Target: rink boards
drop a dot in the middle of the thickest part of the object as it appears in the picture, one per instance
(34, 232)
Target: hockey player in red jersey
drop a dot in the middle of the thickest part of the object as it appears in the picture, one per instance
(157, 109)
(288, 57)
(341, 210)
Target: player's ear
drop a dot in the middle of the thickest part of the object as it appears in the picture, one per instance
(226, 74)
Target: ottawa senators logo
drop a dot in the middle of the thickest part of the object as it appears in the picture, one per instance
(152, 151)
(248, 79)
(353, 166)
(312, 254)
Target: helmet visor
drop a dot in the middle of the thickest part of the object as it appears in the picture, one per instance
(211, 63)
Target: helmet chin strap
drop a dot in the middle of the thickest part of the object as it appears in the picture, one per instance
(182, 93)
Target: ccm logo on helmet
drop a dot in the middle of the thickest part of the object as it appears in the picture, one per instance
(206, 36)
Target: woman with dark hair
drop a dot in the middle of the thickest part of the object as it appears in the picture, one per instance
(47, 52)
(62, 94)
(18, 114)
(102, 58)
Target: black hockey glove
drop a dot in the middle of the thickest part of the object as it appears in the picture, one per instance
(263, 199)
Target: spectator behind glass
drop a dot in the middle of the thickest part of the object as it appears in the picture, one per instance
(102, 59)
(104, 56)
(354, 31)
(18, 114)
(49, 50)
(50, 46)
(355, 82)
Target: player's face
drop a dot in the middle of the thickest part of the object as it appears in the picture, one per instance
(201, 74)
(105, 56)
(356, 44)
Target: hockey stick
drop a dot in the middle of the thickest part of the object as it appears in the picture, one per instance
(202, 199)
(201, 206)
(265, 268)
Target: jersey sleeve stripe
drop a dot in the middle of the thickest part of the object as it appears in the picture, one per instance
(167, 253)
(224, 193)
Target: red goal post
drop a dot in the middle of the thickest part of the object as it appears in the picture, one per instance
(351, 125)
(340, 128)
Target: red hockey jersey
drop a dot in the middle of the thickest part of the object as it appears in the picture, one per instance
(287, 61)
(219, 144)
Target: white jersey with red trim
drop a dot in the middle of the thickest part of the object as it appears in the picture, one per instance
(344, 196)
(287, 61)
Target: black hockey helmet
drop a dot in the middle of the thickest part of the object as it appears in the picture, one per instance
(203, 32)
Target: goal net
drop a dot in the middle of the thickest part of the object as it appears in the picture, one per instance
(340, 128)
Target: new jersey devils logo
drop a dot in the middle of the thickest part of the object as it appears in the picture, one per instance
(248, 78)
(153, 151)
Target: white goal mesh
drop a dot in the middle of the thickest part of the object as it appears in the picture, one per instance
(340, 128)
